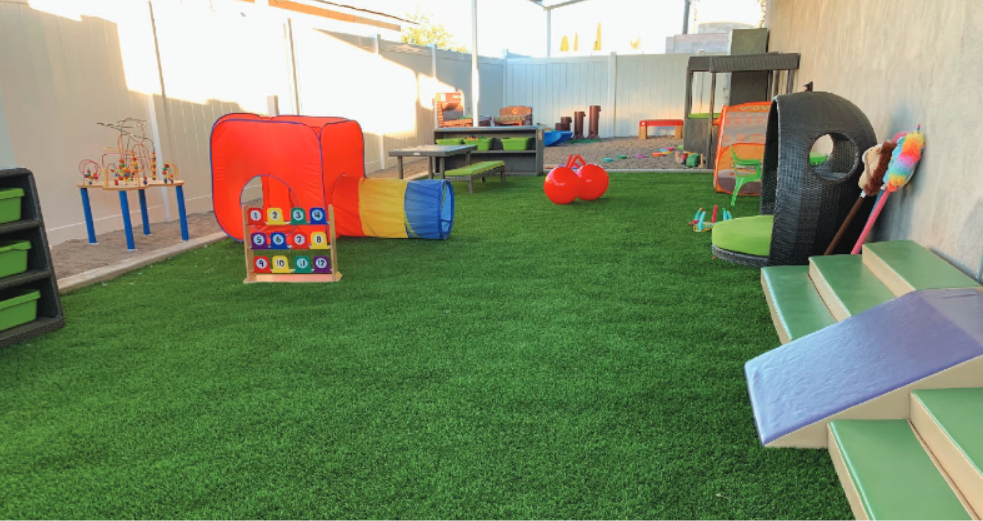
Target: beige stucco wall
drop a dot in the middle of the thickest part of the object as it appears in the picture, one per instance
(905, 62)
(6, 151)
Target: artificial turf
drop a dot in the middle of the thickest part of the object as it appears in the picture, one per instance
(581, 361)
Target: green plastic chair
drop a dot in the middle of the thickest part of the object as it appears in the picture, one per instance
(741, 179)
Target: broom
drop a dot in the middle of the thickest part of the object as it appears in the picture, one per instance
(899, 171)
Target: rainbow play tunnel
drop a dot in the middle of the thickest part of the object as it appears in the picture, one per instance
(394, 208)
(315, 162)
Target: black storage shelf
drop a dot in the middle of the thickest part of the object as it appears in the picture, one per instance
(517, 162)
(23, 224)
(40, 274)
(24, 332)
(24, 278)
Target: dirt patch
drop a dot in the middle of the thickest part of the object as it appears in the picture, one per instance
(77, 255)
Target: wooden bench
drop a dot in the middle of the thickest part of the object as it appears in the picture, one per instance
(476, 171)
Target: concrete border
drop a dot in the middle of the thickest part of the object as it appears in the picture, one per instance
(87, 278)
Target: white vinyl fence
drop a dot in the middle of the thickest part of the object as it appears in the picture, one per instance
(182, 64)
(628, 88)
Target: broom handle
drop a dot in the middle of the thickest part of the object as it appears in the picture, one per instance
(846, 224)
(870, 221)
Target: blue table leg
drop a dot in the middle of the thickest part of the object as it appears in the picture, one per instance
(87, 209)
(143, 212)
(182, 214)
(124, 205)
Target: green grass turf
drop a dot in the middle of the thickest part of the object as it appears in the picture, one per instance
(581, 361)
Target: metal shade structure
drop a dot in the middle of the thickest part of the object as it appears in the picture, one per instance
(773, 63)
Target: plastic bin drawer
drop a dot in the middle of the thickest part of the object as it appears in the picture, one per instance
(483, 143)
(10, 204)
(13, 257)
(516, 143)
(18, 307)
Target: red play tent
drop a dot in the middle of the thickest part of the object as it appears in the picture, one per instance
(288, 149)
(310, 162)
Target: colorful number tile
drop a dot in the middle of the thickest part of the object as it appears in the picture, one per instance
(278, 241)
(298, 241)
(281, 264)
(298, 216)
(322, 264)
(274, 216)
(302, 264)
(258, 240)
(318, 216)
(261, 265)
(254, 216)
(319, 241)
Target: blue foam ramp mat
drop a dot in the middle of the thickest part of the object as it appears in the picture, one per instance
(882, 349)
(556, 137)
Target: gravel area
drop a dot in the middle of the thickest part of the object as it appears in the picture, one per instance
(612, 148)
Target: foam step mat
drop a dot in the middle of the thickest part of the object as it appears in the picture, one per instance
(951, 423)
(796, 307)
(906, 266)
(846, 285)
(887, 474)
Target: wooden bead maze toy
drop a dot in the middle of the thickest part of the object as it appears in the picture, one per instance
(130, 166)
(132, 163)
(299, 247)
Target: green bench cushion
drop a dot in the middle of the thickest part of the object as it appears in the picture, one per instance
(476, 168)
(749, 235)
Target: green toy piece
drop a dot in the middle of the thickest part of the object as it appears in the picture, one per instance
(302, 264)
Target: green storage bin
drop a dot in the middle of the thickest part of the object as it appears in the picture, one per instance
(516, 143)
(693, 160)
(483, 143)
(18, 307)
(451, 141)
(13, 257)
(10, 204)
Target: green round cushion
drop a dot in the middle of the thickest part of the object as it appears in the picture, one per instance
(749, 235)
